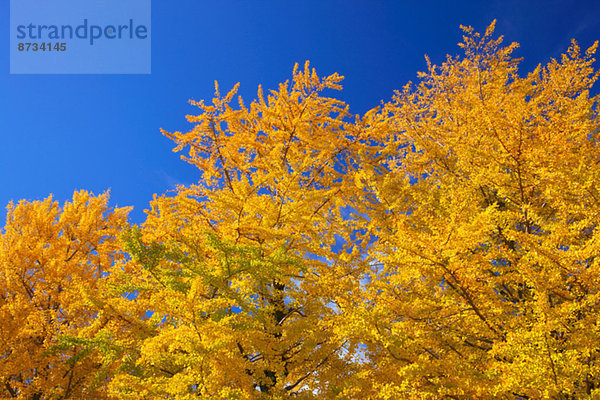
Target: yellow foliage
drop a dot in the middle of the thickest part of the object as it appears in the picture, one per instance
(487, 274)
(443, 245)
(48, 256)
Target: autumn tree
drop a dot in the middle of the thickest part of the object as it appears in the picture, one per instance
(239, 270)
(481, 188)
(444, 245)
(51, 257)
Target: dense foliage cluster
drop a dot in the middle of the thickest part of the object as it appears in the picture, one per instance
(443, 245)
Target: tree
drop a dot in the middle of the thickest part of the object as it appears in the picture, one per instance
(50, 257)
(444, 245)
(240, 269)
(485, 205)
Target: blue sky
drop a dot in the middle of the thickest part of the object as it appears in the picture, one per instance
(60, 133)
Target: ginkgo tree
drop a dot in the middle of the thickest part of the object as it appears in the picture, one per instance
(485, 205)
(241, 267)
(443, 245)
(51, 257)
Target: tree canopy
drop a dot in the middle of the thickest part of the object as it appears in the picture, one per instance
(443, 245)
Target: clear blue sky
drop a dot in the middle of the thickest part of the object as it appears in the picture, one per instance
(60, 133)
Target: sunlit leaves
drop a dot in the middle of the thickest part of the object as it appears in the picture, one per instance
(444, 244)
(483, 251)
(50, 257)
